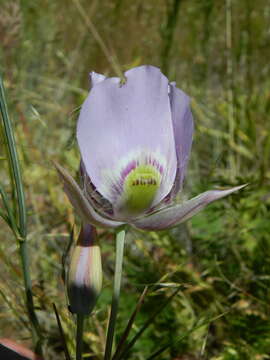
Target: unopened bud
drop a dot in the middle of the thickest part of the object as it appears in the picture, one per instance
(84, 281)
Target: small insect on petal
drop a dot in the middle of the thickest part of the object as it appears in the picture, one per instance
(85, 272)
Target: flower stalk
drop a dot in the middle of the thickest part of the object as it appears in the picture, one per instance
(120, 242)
(79, 336)
(24, 255)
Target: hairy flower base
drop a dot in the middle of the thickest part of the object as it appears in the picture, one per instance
(140, 188)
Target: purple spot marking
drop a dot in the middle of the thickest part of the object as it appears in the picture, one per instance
(131, 166)
(117, 188)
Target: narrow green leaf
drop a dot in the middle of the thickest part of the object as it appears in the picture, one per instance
(19, 208)
(168, 345)
(79, 336)
(65, 255)
(62, 335)
(13, 160)
(5, 218)
(6, 259)
(14, 310)
(147, 324)
(9, 217)
(129, 325)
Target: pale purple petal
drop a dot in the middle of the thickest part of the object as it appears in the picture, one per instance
(183, 130)
(120, 120)
(174, 215)
(96, 78)
(81, 204)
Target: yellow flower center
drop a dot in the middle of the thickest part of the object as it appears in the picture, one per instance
(140, 188)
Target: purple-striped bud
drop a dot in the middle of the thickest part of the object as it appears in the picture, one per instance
(84, 281)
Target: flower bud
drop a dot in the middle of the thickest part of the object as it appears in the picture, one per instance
(84, 281)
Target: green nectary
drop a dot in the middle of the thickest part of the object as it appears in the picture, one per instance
(140, 188)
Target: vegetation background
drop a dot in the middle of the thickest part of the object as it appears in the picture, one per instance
(216, 51)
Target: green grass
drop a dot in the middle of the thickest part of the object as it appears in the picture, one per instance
(220, 257)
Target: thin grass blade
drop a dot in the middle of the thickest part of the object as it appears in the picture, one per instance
(14, 310)
(147, 324)
(20, 208)
(168, 345)
(10, 219)
(62, 335)
(111, 57)
(129, 325)
(5, 218)
(65, 255)
(13, 160)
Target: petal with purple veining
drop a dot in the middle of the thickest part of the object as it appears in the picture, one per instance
(81, 204)
(174, 215)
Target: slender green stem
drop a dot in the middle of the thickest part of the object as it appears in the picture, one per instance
(145, 326)
(79, 336)
(167, 34)
(14, 161)
(62, 334)
(230, 86)
(19, 226)
(120, 241)
(37, 335)
(112, 59)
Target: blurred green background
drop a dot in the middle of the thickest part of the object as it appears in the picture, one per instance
(216, 51)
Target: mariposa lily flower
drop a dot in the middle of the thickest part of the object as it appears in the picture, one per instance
(135, 139)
